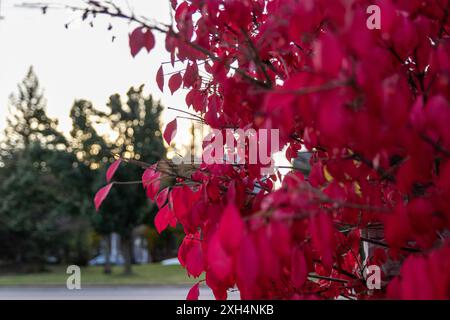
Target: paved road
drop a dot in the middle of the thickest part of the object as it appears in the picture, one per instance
(104, 293)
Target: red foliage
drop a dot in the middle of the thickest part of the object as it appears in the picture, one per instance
(194, 292)
(141, 38)
(101, 195)
(170, 131)
(160, 78)
(112, 170)
(371, 106)
(175, 82)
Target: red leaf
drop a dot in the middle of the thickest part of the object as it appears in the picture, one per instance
(100, 196)
(149, 175)
(151, 181)
(175, 82)
(178, 202)
(292, 151)
(299, 267)
(220, 264)
(173, 220)
(194, 292)
(135, 40)
(163, 218)
(153, 188)
(231, 229)
(141, 38)
(191, 75)
(160, 78)
(194, 259)
(190, 256)
(199, 101)
(397, 228)
(329, 54)
(149, 41)
(171, 130)
(247, 267)
(316, 175)
(161, 198)
(322, 233)
(112, 169)
(181, 11)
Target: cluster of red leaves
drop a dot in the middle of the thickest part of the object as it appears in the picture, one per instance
(372, 107)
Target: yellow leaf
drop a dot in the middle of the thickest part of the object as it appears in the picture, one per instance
(327, 174)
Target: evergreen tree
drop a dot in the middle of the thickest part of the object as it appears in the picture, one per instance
(28, 121)
(41, 213)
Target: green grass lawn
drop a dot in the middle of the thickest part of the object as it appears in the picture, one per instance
(150, 274)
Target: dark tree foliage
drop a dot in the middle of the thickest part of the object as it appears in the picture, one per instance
(136, 135)
(43, 210)
(47, 181)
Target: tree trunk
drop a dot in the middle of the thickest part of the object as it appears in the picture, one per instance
(127, 254)
(107, 267)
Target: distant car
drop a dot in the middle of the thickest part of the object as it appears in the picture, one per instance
(170, 262)
(52, 260)
(101, 260)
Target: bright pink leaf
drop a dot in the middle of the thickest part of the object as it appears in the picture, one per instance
(178, 202)
(101, 195)
(190, 255)
(194, 259)
(149, 175)
(161, 198)
(151, 180)
(112, 169)
(153, 188)
(231, 229)
(219, 262)
(322, 233)
(247, 267)
(163, 218)
(194, 292)
(299, 269)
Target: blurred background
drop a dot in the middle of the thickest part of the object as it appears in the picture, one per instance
(71, 98)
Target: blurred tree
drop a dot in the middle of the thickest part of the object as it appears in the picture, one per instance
(134, 134)
(93, 151)
(41, 213)
(89, 147)
(28, 122)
